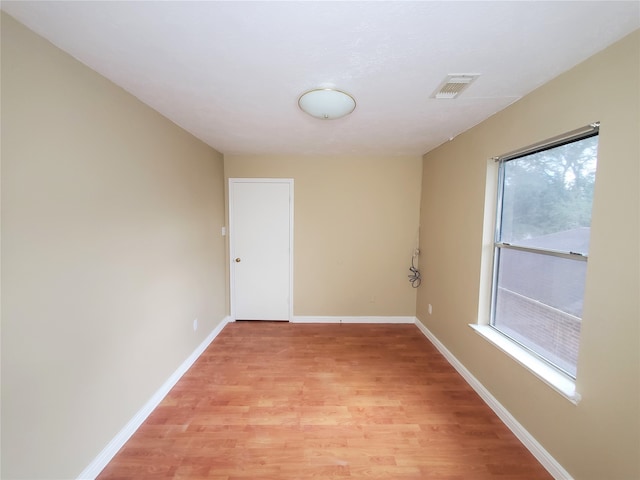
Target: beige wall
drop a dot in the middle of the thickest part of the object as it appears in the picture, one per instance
(355, 226)
(600, 437)
(111, 247)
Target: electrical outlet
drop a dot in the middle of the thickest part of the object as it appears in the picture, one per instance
(195, 325)
(430, 309)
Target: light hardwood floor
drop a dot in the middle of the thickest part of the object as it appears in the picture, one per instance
(298, 401)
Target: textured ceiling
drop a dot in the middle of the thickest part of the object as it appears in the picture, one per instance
(231, 72)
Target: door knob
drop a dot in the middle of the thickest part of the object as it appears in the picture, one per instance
(238, 260)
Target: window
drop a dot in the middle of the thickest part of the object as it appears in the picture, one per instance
(545, 193)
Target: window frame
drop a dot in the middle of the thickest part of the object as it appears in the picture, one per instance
(559, 379)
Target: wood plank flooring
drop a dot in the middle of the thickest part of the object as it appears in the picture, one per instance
(298, 401)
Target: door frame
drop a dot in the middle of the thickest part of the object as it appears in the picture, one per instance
(232, 293)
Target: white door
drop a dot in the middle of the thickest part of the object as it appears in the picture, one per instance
(261, 248)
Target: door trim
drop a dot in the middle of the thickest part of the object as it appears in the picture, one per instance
(232, 299)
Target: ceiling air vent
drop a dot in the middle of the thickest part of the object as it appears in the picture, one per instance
(453, 85)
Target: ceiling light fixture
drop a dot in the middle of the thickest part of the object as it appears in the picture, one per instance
(326, 103)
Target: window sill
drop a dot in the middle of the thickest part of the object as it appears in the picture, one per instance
(564, 385)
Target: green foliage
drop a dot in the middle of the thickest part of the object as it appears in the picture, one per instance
(549, 191)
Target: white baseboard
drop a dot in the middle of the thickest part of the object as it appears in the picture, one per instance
(341, 319)
(538, 451)
(105, 456)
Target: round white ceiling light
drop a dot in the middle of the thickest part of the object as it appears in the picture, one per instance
(326, 103)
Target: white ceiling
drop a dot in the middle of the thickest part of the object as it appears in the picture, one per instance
(231, 72)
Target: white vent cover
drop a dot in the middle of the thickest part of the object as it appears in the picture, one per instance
(453, 85)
